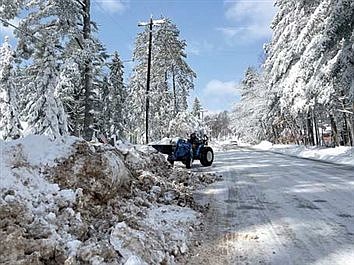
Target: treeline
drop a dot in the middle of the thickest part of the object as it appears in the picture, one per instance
(306, 84)
(59, 79)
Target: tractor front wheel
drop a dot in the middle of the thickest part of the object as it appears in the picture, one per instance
(206, 156)
(189, 162)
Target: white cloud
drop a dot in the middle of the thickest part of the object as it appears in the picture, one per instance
(252, 17)
(112, 6)
(220, 88)
(217, 96)
(198, 48)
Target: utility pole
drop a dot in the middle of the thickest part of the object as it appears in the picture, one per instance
(151, 23)
(87, 74)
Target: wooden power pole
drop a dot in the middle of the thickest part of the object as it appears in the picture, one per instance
(150, 24)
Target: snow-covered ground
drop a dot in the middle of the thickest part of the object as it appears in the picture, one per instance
(71, 202)
(276, 209)
(340, 155)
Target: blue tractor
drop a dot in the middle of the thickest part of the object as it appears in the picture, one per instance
(187, 151)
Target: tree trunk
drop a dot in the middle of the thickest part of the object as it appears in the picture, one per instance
(348, 121)
(352, 124)
(334, 130)
(317, 133)
(87, 76)
(275, 135)
(174, 90)
(310, 129)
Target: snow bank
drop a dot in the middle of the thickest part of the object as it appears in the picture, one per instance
(222, 145)
(71, 202)
(20, 164)
(264, 145)
(340, 155)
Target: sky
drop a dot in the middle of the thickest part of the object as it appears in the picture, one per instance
(223, 38)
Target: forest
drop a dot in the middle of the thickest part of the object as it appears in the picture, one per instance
(59, 78)
(306, 84)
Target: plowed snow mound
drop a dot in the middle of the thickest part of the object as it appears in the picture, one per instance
(70, 202)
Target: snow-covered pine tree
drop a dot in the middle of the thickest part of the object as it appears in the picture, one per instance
(10, 126)
(45, 111)
(69, 90)
(197, 108)
(135, 105)
(117, 96)
(178, 72)
(162, 109)
(171, 80)
(183, 124)
(77, 53)
(88, 55)
(248, 118)
(309, 64)
(219, 124)
(10, 8)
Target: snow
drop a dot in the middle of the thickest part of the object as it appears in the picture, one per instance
(340, 155)
(19, 164)
(276, 209)
(94, 202)
(264, 145)
(39, 150)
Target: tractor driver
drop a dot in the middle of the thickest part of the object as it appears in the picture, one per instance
(193, 139)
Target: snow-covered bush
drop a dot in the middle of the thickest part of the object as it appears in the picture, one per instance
(184, 124)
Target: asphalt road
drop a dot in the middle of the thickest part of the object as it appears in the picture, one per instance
(276, 209)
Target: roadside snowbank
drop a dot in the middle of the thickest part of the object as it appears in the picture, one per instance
(340, 155)
(70, 202)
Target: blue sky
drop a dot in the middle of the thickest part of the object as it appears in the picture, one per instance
(223, 38)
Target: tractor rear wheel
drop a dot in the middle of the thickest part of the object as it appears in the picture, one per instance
(206, 156)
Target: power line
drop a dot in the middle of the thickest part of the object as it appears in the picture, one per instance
(97, 3)
(7, 23)
(57, 47)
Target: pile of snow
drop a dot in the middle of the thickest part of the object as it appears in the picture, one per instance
(223, 145)
(264, 145)
(71, 202)
(340, 155)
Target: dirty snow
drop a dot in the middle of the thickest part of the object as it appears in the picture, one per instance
(71, 202)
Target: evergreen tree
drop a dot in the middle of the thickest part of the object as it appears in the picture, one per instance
(249, 114)
(116, 97)
(219, 124)
(10, 126)
(70, 92)
(309, 66)
(45, 111)
(171, 50)
(183, 124)
(10, 8)
(43, 21)
(170, 81)
(65, 30)
(197, 108)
